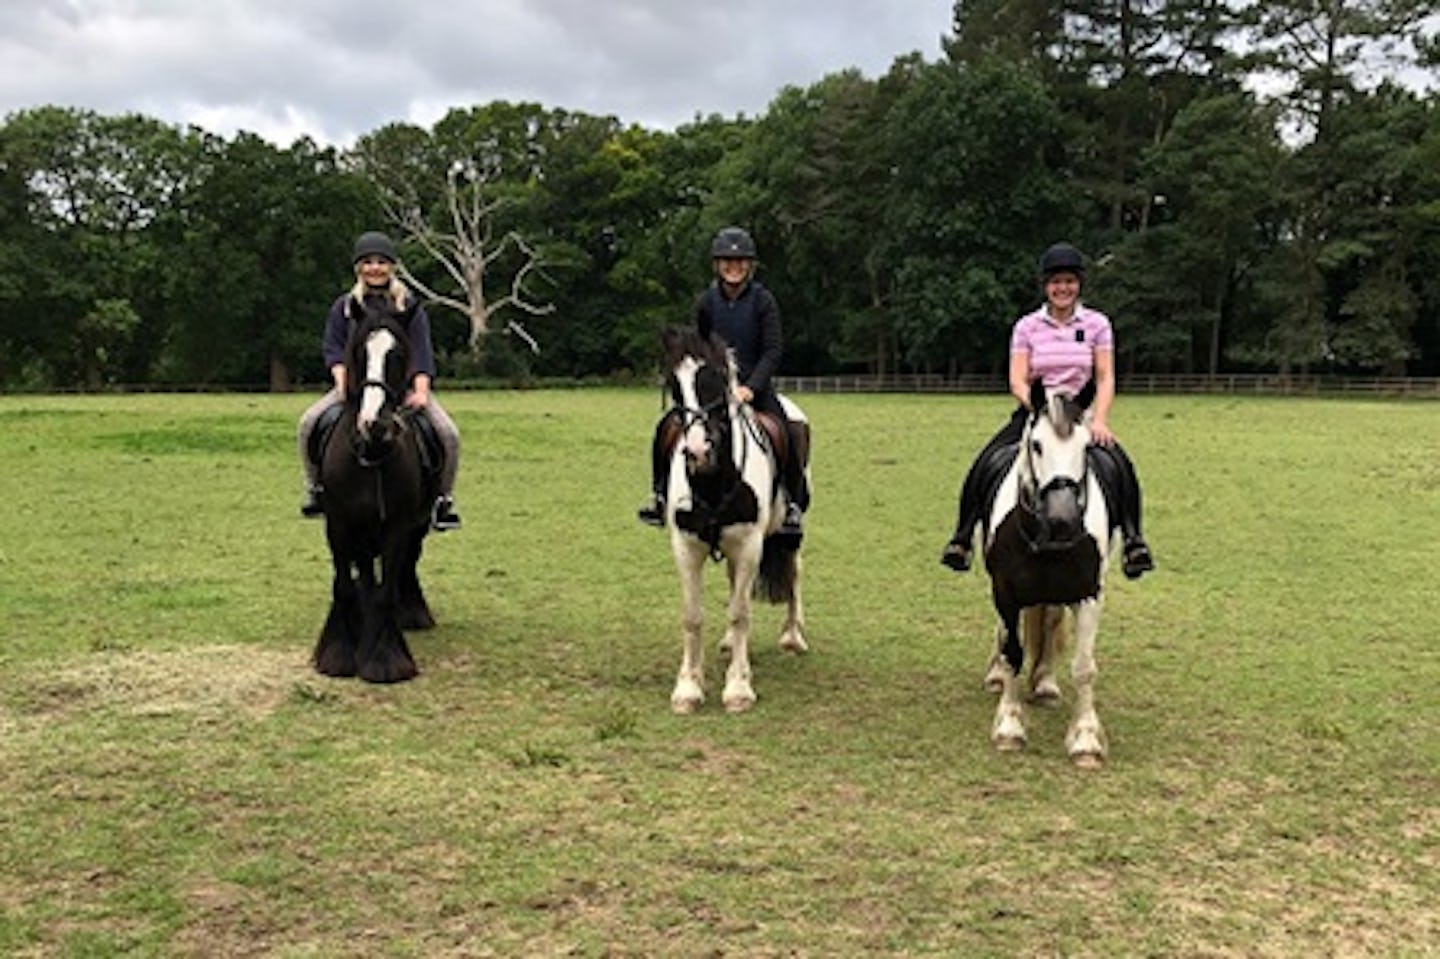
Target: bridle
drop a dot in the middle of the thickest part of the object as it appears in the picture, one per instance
(1029, 498)
(358, 443)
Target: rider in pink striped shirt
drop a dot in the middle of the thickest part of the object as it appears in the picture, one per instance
(1065, 344)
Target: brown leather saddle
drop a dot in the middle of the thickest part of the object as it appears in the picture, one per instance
(777, 437)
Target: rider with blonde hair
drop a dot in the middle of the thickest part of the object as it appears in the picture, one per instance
(377, 286)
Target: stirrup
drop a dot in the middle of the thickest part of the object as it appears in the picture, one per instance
(1138, 560)
(956, 555)
(653, 512)
(444, 517)
(794, 522)
(311, 507)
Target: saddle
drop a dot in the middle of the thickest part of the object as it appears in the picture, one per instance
(775, 432)
(427, 440)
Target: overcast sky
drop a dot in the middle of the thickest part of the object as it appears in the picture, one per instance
(334, 69)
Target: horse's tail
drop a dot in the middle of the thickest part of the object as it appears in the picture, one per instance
(776, 580)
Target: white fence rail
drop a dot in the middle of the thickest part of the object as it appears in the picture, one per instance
(1258, 384)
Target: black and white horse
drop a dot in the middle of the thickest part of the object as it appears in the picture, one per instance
(377, 501)
(724, 499)
(1046, 545)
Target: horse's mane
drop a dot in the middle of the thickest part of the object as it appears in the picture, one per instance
(710, 349)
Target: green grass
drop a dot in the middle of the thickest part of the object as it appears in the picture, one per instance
(174, 780)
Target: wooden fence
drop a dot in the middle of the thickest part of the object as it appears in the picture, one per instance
(1255, 384)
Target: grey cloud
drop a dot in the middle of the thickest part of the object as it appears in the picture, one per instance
(342, 68)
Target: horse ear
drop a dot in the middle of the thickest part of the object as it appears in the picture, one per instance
(670, 343)
(1037, 395)
(1087, 395)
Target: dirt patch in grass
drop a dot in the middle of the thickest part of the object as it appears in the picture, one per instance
(206, 681)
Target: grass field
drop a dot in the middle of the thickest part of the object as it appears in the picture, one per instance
(175, 781)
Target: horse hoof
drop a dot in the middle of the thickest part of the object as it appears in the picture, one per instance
(417, 621)
(1047, 693)
(739, 704)
(793, 642)
(1088, 760)
(1009, 744)
(686, 702)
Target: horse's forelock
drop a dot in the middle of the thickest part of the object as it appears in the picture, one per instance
(710, 350)
(1064, 414)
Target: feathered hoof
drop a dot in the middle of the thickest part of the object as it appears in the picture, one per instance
(394, 673)
(1088, 760)
(1008, 744)
(416, 619)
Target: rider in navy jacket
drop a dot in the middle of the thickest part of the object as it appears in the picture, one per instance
(744, 314)
(377, 286)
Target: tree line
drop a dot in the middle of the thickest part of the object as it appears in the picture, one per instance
(898, 218)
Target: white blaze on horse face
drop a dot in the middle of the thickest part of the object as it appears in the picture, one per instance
(695, 441)
(1060, 456)
(372, 398)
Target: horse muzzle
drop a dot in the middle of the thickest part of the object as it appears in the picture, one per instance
(1059, 512)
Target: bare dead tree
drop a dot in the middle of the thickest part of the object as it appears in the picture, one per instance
(468, 250)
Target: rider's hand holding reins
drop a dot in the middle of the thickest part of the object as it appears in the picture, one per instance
(744, 393)
(1100, 434)
(419, 395)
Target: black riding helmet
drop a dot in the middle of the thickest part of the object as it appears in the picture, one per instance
(374, 243)
(732, 243)
(1061, 258)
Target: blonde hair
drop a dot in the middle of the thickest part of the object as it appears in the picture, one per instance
(398, 292)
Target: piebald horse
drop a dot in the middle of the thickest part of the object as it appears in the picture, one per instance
(723, 500)
(1046, 545)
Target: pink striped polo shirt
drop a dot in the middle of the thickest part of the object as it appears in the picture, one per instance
(1062, 354)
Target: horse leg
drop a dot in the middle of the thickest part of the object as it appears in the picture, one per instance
(994, 680)
(1008, 730)
(1047, 624)
(414, 611)
(792, 636)
(1085, 739)
(723, 647)
(739, 695)
(383, 656)
(335, 649)
(689, 690)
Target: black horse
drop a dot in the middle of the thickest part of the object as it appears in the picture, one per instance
(378, 493)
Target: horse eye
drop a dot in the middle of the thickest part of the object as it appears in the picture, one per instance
(1035, 447)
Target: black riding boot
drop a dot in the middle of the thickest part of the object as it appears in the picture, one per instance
(310, 506)
(1116, 469)
(444, 517)
(959, 552)
(653, 512)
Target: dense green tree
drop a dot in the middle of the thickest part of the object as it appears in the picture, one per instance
(1172, 288)
(97, 193)
(972, 201)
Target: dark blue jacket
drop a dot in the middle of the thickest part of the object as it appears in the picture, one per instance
(749, 325)
(343, 314)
